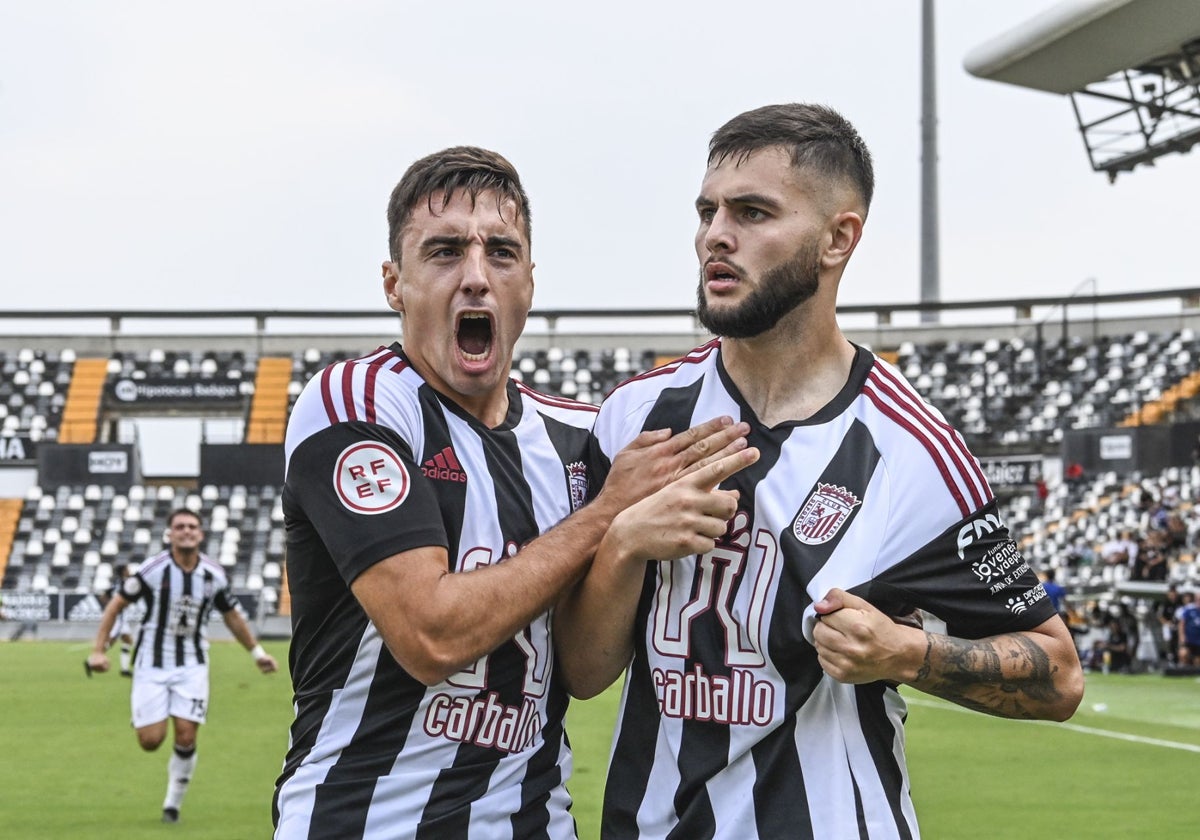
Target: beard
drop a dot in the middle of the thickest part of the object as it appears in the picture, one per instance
(782, 289)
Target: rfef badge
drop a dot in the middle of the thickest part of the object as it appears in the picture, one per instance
(370, 478)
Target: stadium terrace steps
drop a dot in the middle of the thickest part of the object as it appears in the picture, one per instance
(83, 401)
(1157, 411)
(10, 515)
(268, 411)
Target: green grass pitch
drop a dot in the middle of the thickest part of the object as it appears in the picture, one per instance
(1125, 766)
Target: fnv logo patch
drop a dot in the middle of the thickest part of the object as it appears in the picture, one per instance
(823, 514)
(370, 478)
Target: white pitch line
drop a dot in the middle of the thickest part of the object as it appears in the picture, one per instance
(1074, 727)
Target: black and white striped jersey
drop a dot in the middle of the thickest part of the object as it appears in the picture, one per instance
(176, 608)
(379, 463)
(728, 727)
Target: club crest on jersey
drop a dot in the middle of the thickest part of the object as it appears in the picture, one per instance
(823, 514)
(370, 478)
(577, 481)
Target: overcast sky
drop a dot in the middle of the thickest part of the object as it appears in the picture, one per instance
(235, 155)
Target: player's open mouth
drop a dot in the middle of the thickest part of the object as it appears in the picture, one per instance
(719, 272)
(474, 335)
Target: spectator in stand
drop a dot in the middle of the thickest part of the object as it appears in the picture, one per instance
(1121, 551)
(1118, 649)
(1073, 474)
(1040, 493)
(1081, 553)
(1056, 592)
(1130, 622)
(1146, 504)
(1168, 620)
(1152, 558)
(1177, 531)
(1189, 633)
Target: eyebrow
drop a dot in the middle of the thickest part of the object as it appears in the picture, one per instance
(504, 242)
(463, 241)
(432, 241)
(755, 198)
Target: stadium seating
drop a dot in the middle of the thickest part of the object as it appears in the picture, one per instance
(33, 387)
(1000, 394)
(1003, 395)
(74, 538)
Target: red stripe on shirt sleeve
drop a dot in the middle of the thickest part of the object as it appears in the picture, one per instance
(327, 394)
(907, 388)
(938, 460)
(943, 432)
(348, 391)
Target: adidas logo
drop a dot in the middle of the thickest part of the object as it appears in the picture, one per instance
(444, 467)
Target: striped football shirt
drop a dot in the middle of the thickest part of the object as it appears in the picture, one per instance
(728, 727)
(379, 463)
(176, 608)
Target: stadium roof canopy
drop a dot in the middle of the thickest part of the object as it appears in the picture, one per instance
(1130, 67)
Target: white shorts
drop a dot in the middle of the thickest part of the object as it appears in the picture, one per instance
(159, 693)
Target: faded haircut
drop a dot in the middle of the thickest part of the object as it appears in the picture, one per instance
(184, 511)
(819, 138)
(467, 168)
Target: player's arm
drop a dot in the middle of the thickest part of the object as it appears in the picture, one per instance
(594, 623)
(98, 660)
(436, 622)
(241, 631)
(1032, 674)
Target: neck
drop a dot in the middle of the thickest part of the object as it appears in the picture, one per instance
(791, 371)
(489, 409)
(489, 406)
(186, 559)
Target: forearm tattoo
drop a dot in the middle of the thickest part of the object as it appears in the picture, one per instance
(1007, 676)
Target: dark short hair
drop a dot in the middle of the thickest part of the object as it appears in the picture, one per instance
(468, 168)
(182, 511)
(819, 138)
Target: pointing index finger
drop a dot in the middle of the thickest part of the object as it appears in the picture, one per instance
(711, 475)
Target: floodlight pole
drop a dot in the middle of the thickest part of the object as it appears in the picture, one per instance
(930, 281)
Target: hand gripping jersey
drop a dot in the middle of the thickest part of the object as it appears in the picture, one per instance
(379, 463)
(728, 727)
(175, 606)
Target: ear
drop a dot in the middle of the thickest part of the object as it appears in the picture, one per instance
(845, 229)
(391, 286)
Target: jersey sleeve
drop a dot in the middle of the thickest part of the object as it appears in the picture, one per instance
(224, 600)
(598, 466)
(972, 576)
(357, 485)
(133, 588)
